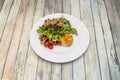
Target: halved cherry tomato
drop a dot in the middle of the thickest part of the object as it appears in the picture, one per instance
(46, 44)
(51, 42)
(50, 46)
(54, 43)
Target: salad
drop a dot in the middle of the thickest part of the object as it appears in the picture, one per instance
(56, 31)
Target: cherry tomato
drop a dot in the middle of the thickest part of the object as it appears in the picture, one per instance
(46, 44)
(50, 46)
(54, 43)
(51, 42)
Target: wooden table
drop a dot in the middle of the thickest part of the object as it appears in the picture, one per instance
(101, 61)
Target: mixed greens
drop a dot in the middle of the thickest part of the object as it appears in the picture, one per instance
(54, 29)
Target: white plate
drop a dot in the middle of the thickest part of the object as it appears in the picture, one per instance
(61, 54)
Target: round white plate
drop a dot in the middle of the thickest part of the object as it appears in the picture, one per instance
(61, 54)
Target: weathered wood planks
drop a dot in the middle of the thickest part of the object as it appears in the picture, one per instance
(6, 40)
(117, 3)
(4, 15)
(114, 20)
(3, 18)
(17, 35)
(1, 4)
(58, 6)
(100, 62)
(111, 53)
(104, 69)
(32, 57)
(21, 56)
(91, 56)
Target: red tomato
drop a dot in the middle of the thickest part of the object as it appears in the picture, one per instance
(50, 46)
(51, 42)
(54, 43)
(46, 44)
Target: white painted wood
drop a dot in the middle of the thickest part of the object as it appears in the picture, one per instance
(39, 75)
(75, 8)
(105, 75)
(46, 70)
(67, 6)
(117, 2)
(114, 20)
(31, 65)
(17, 34)
(67, 71)
(49, 7)
(32, 57)
(4, 15)
(58, 6)
(39, 10)
(6, 39)
(1, 4)
(113, 65)
(56, 71)
(78, 65)
(24, 42)
(91, 57)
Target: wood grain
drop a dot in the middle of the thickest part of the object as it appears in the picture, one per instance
(67, 70)
(6, 40)
(4, 15)
(114, 20)
(39, 75)
(32, 57)
(105, 75)
(17, 35)
(1, 4)
(111, 53)
(24, 42)
(3, 18)
(78, 65)
(117, 2)
(31, 65)
(56, 71)
(91, 56)
(58, 6)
